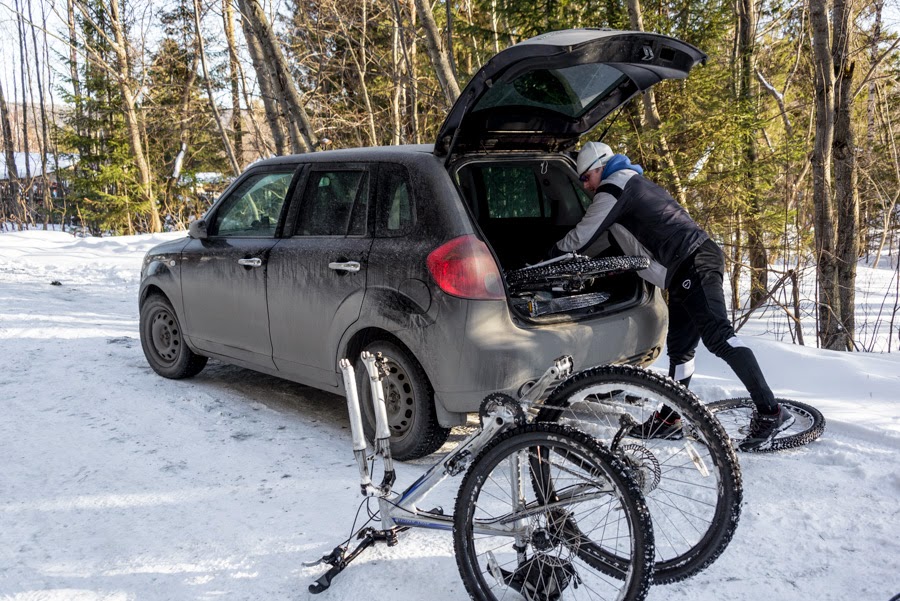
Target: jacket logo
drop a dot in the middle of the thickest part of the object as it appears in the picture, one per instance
(686, 284)
(648, 54)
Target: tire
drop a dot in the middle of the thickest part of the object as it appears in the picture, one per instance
(412, 417)
(692, 486)
(734, 415)
(605, 517)
(589, 268)
(163, 341)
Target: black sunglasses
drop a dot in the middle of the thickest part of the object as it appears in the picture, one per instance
(584, 178)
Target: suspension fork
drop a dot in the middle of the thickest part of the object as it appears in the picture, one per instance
(382, 432)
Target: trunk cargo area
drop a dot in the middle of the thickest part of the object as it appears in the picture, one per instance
(524, 205)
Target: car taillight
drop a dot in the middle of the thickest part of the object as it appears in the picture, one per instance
(464, 267)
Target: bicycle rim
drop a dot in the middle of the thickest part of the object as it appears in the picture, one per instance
(590, 508)
(692, 486)
(735, 414)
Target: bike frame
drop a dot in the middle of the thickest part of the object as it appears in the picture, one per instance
(402, 510)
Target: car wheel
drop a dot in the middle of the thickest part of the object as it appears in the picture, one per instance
(409, 399)
(163, 341)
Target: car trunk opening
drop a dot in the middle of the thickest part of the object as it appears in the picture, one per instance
(523, 205)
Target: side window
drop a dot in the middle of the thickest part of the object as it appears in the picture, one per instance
(395, 205)
(335, 203)
(511, 192)
(253, 209)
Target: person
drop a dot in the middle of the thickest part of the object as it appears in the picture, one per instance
(645, 220)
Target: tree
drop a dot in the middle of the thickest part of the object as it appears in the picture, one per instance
(829, 59)
(119, 68)
(300, 130)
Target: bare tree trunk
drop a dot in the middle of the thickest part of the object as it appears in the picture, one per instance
(889, 208)
(845, 169)
(299, 126)
(73, 63)
(267, 89)
(651, 113)
(438, 57)
(237, 123)
(736, 257)
(397, 80)
(9, 153)
(756, 248)
(829, 326)
(46, 199)
(120, 48)
(494, 24)
(28, 187)
(360, 61)
(226, 141)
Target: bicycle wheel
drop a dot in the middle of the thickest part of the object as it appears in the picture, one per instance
(735, 414)
(581, 268)
(540, 512)
(692, 485)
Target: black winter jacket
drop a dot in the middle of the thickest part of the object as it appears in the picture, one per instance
(644, 219)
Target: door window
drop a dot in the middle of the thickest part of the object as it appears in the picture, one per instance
(395, 214)
(336, 203)
(254, 208)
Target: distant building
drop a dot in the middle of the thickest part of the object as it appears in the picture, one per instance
(31, 180)
(33, 160)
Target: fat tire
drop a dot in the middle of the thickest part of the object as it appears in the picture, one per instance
(425, 435)
(184, 363)
(730, 490)
(780, 443)
(534, 434)
(579, 268)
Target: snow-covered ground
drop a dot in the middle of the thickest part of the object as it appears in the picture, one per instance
(118, 484)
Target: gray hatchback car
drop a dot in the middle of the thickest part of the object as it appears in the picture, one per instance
(402, 250)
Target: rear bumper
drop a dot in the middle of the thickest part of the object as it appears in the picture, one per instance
(496, 354)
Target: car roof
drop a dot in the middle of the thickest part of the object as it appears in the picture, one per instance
(366, 153)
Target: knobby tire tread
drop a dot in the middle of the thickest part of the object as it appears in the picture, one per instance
(590, 268)
(687, 403)
(623, 479)
(815, 430)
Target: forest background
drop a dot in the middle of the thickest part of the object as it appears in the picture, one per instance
(783, 146)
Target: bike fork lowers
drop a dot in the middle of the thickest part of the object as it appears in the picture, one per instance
(339, 558)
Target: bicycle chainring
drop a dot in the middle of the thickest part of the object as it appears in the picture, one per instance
(498, 403)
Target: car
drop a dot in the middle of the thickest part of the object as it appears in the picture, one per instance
(403, 250)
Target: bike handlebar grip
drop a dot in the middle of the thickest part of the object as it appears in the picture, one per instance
(381, 422)
(356, 428)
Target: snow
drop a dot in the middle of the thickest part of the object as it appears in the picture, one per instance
(118, 484)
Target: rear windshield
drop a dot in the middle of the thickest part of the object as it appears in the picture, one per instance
(571, 91)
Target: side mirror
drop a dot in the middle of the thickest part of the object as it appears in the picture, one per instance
(197, 229)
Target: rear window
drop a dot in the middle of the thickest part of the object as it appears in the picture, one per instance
(571, 91)
(512, 192)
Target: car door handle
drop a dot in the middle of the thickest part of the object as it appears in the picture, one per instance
(254, 262)
(352, 266)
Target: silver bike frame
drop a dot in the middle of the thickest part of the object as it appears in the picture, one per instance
(402, 509)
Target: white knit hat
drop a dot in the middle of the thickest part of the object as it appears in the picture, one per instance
(592, 156)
